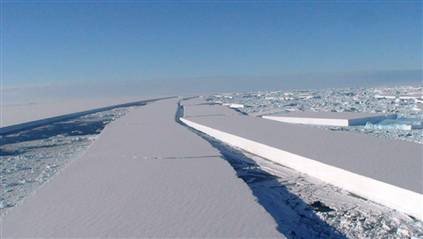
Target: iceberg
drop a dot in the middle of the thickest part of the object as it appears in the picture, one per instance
(404, 101)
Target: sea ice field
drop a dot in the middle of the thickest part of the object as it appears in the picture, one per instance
(405, 101)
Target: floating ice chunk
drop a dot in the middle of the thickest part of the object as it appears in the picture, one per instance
(234, 106)
(388, 126)
(399, 124)
(3, 204)
(389, 97)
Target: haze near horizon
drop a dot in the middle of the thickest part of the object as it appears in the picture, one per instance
(136, 48)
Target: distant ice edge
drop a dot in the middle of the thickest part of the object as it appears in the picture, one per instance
(389, 195)
(308, 121)
(330, 122)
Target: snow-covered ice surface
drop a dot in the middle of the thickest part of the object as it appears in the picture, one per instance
(17, 112)
(145, 176)
(31, 157)
(353, 216)
(305, 207)
(302, 206)
(405, 101)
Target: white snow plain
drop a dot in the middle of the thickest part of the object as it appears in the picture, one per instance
(145, 176)
(13, 113)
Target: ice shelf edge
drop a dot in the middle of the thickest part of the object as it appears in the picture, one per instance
(386, 194)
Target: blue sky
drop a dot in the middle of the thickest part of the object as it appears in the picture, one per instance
(207, 44)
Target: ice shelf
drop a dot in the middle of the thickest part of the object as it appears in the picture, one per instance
(385, 171)
(48, 115)
(145, 176)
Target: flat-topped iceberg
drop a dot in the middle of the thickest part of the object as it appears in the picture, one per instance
(404, 101)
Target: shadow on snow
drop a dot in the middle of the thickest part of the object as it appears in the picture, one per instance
(294, 217)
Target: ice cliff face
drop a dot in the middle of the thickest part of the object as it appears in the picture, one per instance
(305, 207)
